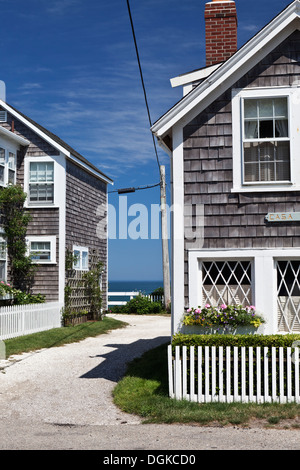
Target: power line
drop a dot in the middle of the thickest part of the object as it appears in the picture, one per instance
(142, 80)
(132, 190)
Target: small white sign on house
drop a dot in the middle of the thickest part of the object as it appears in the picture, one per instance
(283, 216)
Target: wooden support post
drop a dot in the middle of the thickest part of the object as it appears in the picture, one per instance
(165, 239)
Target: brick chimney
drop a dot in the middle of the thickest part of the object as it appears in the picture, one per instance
(220, 30)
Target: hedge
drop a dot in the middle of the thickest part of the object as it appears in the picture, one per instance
(269, 341)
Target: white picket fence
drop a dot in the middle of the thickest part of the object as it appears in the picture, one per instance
(130, 296)
(20, 320)
(206, 374)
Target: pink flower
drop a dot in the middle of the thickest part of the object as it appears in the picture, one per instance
(223, 306)
(207, 306)
(252, 307)
(189, 310)
(198, 310)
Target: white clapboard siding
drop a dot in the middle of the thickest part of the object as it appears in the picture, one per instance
(231, 374)
(20, 320)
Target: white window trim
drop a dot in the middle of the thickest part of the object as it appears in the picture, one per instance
(81, 249)
(46, 238)
(293, 95)
(264, 277)
(2, 239)
(8, 148)
(59, 182)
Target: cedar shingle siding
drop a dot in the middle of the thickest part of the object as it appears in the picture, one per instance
(238, 220)
(46, 280)
(85, 194)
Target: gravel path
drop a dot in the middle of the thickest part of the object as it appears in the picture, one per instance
(72, 384)
(60, 398)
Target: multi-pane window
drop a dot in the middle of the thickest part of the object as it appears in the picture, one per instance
(7, 167)
(80, 258)
(266, 143)
(2, 166)
(2, 259)
(41, 182)
(40, 251)
(11, 168)
(227, 282)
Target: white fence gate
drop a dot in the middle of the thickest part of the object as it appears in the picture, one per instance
(234, 374)
(19, 320)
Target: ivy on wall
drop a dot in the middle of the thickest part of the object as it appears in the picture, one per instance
(15, 223)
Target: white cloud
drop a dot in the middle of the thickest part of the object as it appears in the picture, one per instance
(60, 6)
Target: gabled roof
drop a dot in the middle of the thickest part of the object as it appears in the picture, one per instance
(228, 73)
(194, 76)
(56, 142)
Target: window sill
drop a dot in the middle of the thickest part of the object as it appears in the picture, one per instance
(42, 206)
(46, 263)
(266, 189)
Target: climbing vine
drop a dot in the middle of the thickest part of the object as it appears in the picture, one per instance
(15, 223)
(93, 291)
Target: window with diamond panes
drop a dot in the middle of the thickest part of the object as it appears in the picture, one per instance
(288, 295)
(226, 282)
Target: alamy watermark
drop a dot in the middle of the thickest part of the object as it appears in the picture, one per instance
(137, 221)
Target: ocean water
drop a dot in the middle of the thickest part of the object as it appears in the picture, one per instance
(146, 287)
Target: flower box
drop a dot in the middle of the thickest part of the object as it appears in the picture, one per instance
(219, 330)
(226, 319)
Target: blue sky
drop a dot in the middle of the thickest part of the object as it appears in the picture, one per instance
(71, 66)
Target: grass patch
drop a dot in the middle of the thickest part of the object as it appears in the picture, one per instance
(60, 336)
(144, 391)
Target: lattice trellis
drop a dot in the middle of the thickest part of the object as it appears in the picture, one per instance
(74, 280)
(226, 282)
(288, 295)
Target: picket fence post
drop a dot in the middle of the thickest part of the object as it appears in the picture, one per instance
(230, 374)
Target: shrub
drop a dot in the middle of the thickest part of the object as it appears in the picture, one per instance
(269, 341)
(19, 297)
(142, 305)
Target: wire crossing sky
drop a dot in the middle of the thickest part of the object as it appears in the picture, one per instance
(72, 67)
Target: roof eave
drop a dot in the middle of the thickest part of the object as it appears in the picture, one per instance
(53, 143)
(86, 167)
(229, 68)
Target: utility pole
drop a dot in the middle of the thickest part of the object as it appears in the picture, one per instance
(165, 240)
